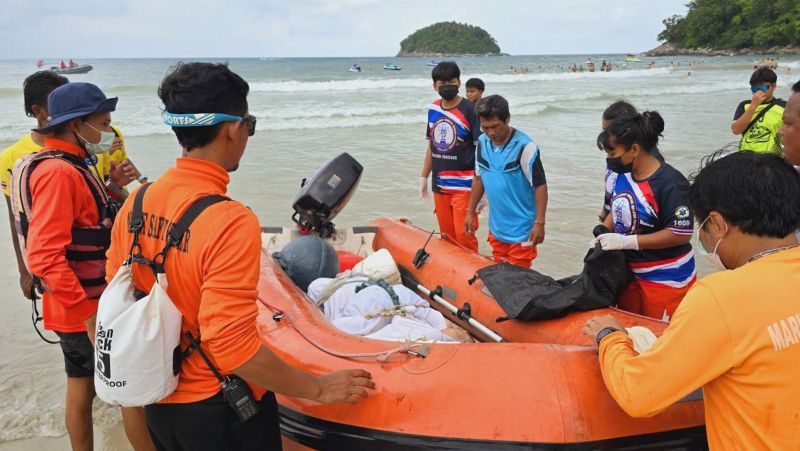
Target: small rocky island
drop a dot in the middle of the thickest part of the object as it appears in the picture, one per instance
(449, 39)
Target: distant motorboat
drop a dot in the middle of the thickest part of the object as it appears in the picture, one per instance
(632, 58)
(79, 69)
(390, 66)
(355, 68)
(433, 63)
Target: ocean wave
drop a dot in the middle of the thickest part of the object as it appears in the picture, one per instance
(336, 111)
(370, 84)
(11, 92)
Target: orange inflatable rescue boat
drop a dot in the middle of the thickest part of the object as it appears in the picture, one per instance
(519, 385)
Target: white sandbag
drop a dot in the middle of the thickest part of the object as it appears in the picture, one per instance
(379, 265)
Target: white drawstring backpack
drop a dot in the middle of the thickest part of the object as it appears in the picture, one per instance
(137, 339)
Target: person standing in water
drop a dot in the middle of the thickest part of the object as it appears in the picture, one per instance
(113, 168)
(214, 281)
(509, 170)
(650, 217)
(452, 132)
(617, 109)
(475, 88)
(63, 215)
(757, 120)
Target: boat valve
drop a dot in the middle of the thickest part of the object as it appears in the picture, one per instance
(277, 316)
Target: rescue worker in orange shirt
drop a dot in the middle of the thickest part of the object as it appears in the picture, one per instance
(213, 277)
(737, 332)
(63, 216)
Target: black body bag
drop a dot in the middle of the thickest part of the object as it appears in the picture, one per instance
(529, 295)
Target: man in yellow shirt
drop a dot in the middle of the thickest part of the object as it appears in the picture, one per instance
(737, 332)
(113, 168)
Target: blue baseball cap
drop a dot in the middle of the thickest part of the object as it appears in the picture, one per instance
(74, 100)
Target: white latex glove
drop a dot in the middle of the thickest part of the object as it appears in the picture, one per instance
(482, 204)
(423, 189)
(616, 242)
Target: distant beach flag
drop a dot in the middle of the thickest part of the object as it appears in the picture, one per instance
(40, 63)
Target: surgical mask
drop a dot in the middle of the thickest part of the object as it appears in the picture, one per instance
(448, 92)
(102, 146)
(711, 257)
(616, 165)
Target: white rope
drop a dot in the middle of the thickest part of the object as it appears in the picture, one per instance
(382, 356)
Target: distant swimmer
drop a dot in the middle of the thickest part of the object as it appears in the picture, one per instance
(590, 65)
(580, 69)
(574, 68)
(608, 67)
(788, 71)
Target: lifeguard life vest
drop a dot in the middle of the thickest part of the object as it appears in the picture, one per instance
(86, 254)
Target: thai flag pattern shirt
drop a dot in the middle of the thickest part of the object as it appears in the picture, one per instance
(452, 135)
(648, 206)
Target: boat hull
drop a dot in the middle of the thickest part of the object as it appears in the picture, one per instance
(303, 432)
(74, 70)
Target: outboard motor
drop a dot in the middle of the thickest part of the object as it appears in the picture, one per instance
(325, 194)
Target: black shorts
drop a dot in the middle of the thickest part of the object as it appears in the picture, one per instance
(78, 354)
(212, 425)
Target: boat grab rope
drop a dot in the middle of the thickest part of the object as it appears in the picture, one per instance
(411, 348)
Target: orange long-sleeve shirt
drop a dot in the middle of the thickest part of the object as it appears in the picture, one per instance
(212, 275)
(61, 200)
(737, 335)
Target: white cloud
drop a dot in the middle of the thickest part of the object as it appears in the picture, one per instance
(235, 28)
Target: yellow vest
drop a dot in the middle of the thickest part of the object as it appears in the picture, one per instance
(763, 136)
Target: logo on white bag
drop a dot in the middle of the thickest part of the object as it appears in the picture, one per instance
(103, 356)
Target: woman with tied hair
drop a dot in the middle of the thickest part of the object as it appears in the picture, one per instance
(649, 219)
(737, 332)
(617, 109)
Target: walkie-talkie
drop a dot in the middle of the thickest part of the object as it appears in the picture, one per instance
(236, 392)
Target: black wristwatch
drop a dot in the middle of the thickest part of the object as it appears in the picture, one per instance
(605, 332)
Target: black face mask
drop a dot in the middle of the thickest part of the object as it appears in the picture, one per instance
(448, 92)
(616, 165)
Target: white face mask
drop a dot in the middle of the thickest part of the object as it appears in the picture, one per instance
(102, 146)
(711, 257)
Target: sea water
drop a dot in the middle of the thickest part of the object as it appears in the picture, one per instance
(311, 109)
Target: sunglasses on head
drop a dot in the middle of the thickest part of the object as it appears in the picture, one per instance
(755, 88)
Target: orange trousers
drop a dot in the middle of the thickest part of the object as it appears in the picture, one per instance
(450, 210)
(648, 299)
(518, 254)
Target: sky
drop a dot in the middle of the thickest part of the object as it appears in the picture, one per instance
(317, 28)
